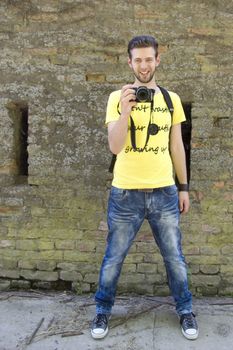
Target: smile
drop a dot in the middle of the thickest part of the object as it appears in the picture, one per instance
(144, 73)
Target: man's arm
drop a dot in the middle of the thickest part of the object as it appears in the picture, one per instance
(117, 130)
(179, 163)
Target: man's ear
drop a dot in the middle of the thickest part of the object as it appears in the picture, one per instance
(129, 62)
(157, 60)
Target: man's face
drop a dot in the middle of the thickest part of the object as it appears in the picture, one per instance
(143, 63)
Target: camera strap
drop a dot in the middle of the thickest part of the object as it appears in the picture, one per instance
(167, 99)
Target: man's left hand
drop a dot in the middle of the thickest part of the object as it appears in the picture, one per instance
(183, 202)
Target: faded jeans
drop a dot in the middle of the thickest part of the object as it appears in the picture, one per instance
(127, 210)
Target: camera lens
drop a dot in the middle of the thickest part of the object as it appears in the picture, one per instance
(153, 129)
(142, 94)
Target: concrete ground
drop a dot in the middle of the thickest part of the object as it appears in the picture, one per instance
(60, 321)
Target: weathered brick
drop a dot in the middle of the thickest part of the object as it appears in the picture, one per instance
(161, 290)
(103, 226)
(134, 258)
(207, 291)
(9, 273)
(81, 288)
(37, 211)
(65, 244)
(146, 247)
(132, 278)
(147, 268)
(3, 231)
(4, 285)
(191, 250)
(145, 12)
(97, 78)
(43, 17)
(42, 285)
(41, 255)
(86, 246)
(161, 269)
(70, 276)
(129, 268)
(55, 218)
(46, 265)
(82, 267)
(75, 256)
(67, 266)
(152, 258)
(28, 265)
(45, 245)
(210, 250)
(20, 284)
(39, 275)
(91, 278)
(156, 278)
(7, 243)
(227, 280)
(203, 281)
(8, 263)
(142, 288)
(194, 269)
(34, 245)
(7, 211)
(226, 269)
(227, 250)
(209, 269)
(225, 291)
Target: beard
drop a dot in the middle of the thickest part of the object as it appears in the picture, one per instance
(144, 79)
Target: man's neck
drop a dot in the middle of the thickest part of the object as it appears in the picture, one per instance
(151, 85)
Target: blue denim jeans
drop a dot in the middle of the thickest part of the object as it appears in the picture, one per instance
(127, 210)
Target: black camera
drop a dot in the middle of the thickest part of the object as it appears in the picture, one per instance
(143, 94)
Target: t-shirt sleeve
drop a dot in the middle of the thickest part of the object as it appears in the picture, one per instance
(178, 114)
(113, 107)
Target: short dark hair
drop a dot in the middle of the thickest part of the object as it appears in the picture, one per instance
(143, 41)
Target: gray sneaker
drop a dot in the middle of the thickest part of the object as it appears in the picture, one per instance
(189, 326)
(99, 328)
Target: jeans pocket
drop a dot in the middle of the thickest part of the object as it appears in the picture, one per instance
(169, 191)
(118, 194)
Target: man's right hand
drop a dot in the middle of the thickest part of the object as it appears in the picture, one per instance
(127, 100)
(117, 130)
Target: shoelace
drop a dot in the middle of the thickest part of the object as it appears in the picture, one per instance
(100, 320)
(189, 322)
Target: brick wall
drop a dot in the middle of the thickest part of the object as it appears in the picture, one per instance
(59, 62)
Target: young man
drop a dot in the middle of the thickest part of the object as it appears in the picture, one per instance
(148, 143)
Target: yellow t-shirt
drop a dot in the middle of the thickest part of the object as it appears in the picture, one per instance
(150, 166)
